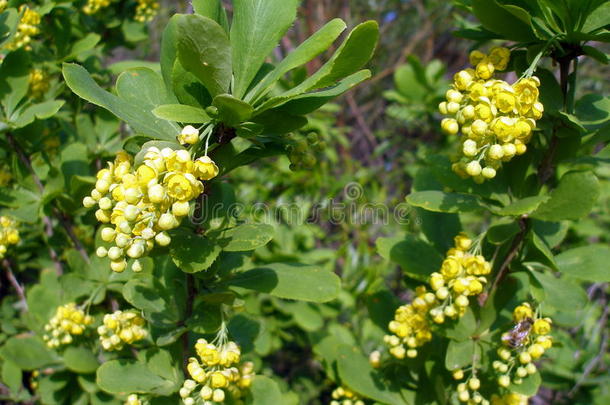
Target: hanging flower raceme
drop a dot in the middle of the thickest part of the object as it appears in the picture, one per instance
(411, 325)
(462, 275)
(146, 10)
(69, 321)
(121, 328)
(9, 234)
(26, 29)
(142, 203)
(345, 396)
(3, 5)
(38, 83)
(215, 375)
(496, 119)
(93, 6)
(522, 345)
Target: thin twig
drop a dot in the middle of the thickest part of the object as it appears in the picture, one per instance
(13, 280)
(512, 253)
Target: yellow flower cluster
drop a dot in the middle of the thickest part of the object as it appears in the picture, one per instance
(26, 29)
(3, 5)
(39, 83)
(216, 374)
(469, 390)
(146, 10)
(9, 235)
(410, 325)
(120, 328)
(143, 203)
(462, 275)
(69, 321)
(525, 343)
(495, 118)
(93, 6)
(345, 396)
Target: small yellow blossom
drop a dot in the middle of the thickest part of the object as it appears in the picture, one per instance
(68, 321)
(9, 234)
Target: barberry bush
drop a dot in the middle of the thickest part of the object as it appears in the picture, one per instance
(170, 231)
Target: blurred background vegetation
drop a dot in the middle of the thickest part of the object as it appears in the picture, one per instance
(364, 151)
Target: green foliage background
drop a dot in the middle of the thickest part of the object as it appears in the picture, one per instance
(306, 295)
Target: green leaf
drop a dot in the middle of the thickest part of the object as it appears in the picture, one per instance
(520, 207)
(9, 20)
(593, 110)
(256, 29)
(529, 386)
(597, 19)
(291, 281)
(459, 354)
(265, 391)
(27, 352)
(439, 201)
(246, 237)
(541, 252)
(205, 51)
(80, 359)
(588, 263)
(188, 89)
(464, 328)
(169, 51)
(416, 258)
(561, 293)
(231, 110)
(142, 87)
(84, 44)
(306, 103)
(41, 111)
(157, 301)
(14, 80)
(573, 198)
(356, 373)
(309, 49)
(502, 231)
(212, 9)
(11, 375)
(353, 53)
(138, 117)
(125, 377)
(181, 113)
(501, 20)
(193, 253)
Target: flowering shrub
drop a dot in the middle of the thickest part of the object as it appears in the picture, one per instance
(205, 227)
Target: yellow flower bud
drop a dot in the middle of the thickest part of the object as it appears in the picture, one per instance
(189, 135)
(542, 326)
(473, 168)
(504, 381)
